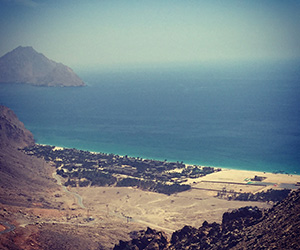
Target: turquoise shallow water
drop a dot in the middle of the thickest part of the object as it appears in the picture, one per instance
(237, 116)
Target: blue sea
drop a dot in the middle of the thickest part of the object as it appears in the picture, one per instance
(242, 115)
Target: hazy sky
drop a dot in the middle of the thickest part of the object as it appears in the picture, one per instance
(95, 32)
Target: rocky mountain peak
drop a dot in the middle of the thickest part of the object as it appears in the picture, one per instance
(25, 65)
(24, 49)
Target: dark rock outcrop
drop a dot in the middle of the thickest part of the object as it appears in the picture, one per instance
(240, 218)
(149, 239)
(244, 228)
(279, 228)
(25, 65)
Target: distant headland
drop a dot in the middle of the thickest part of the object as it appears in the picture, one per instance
(26, 65)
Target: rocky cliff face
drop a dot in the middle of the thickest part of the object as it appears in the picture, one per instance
(25, 65)
(244, 228)
(21, 176)
(13, 132)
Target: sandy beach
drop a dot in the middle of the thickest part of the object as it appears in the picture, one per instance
(243, 181)
(235, 175)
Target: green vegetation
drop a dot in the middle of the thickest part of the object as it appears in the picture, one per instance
(153, 186)
(264, 196)
(269, 195)
(82, 168)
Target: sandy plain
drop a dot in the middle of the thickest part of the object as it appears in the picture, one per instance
(109, 214)
(140, 208)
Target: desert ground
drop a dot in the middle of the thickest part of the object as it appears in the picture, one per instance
(98, 217)
(172, 212)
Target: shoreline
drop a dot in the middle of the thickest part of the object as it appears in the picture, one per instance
(227, 176)
(280, 172)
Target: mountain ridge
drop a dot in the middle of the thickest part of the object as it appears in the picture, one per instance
(26, 65)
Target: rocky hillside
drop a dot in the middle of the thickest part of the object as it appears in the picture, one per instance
(244, 228)
(43, 215)
(12, 131)
(21, 176)
(25, 65)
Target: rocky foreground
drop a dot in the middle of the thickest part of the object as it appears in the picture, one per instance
(244, 228)
(42, 215)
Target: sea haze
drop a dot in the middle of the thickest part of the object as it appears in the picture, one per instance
(243, 115)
